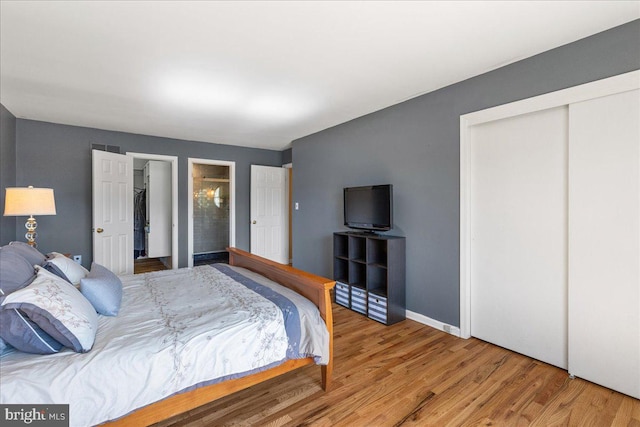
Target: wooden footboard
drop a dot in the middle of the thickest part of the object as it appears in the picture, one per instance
(315, 288)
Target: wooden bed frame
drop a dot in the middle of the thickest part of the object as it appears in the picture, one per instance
(315, 288)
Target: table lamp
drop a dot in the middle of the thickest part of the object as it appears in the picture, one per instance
(29, 201)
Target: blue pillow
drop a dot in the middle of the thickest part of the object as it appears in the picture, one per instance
(103, 289)
(34, 256)
(5, 347)
(15, 271)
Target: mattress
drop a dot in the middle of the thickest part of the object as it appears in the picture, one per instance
(176, 330)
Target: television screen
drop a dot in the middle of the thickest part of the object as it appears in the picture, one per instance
(369, 208)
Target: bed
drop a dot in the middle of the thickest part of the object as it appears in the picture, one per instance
(154, 359)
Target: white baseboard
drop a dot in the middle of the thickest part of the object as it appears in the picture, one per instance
(421, 318)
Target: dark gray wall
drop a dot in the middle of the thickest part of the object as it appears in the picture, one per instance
(7, 171)
(286, 156)
(59, 156)
(415, 147)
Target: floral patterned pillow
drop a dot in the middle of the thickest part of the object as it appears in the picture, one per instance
(58, 308)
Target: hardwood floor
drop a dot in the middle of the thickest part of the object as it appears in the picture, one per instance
(409, 374)
(146, 265)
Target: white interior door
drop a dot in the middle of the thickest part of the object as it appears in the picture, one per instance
(112, 207)
(269, 217)
(159, 199)
(518, 217)
(604, 241)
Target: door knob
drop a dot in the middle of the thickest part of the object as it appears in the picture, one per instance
(254, 221)
(99, 230)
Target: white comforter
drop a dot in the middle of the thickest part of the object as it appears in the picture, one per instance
(176, 329)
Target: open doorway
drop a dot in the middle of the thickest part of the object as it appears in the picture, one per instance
(154, 212)
(211, 210)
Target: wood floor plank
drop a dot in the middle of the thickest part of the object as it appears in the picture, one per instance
(147, 265)
(410, 374)
(628, 414)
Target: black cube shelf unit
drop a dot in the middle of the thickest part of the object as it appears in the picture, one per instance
(369, 270)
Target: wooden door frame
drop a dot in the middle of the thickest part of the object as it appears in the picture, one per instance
(289, 166)
(174, 198)
(599, 88)
(232, 202)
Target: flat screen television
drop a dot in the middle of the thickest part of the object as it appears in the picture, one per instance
(369, 208)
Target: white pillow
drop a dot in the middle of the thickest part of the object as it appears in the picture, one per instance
(57, 308)
(74, 271)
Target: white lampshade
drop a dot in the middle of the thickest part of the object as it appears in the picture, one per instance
(24, 201)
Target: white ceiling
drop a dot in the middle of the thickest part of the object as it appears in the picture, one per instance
(262, 74)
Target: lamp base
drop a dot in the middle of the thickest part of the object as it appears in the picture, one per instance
(31, 234)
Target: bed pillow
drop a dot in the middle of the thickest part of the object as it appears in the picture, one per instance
(5, 347)
(58, 308)
(17, 330)
(52, 268)
(34, 256)
(103, 289)
(71, 269)
(15, 271)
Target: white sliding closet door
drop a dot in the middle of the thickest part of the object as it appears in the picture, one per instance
(518, 218)
(604, 241)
